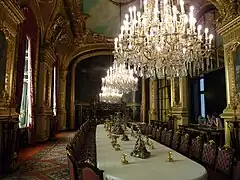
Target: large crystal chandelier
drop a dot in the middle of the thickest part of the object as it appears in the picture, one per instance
(110, 95)
(162, 41)
(118, 77)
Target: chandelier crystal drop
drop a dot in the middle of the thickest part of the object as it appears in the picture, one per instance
(162, 41)
(110, 95)
(121, 78)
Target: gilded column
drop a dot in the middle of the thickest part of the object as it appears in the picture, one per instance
(183, 88)
(153, 99)
(42, 123)
(231, 39)
(62, 100)
(143, 104)
(179, 101)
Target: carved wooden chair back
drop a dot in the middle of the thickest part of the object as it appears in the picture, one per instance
(158, 134)
(196, 148)
(168, 138)
(149, 129)
(163, 135)
(176, 140)
(209, 153)
(154, 132)
(89, 171)
(72, 167)
(143, 128)
(224, 161)
(184, 144)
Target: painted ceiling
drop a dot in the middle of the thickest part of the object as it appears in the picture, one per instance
(104, 15)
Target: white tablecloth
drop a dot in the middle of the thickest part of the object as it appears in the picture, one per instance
(153, 168)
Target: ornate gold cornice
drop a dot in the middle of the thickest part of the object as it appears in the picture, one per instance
(48, 55)
(229, 27)
(13, 10)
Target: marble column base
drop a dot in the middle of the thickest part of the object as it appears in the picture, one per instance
(42, 127)
(228, 116)
(181, 115)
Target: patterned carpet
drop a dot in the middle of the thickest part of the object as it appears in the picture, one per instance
(49, 163)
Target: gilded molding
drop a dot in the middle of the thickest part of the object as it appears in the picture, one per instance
(13, 11)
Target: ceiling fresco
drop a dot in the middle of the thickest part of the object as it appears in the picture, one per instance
(104, 15)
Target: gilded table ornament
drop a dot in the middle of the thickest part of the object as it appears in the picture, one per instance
(117, 147)
(124, 160)
(140, 150)
(170, 159)
(151, 145)
(125, 137)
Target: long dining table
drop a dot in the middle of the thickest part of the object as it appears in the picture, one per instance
(153, 168)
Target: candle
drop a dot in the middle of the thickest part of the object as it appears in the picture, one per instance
(156, 5)
(115, 42)
(139, 18)
(206, 33)
(210, 39)
(145, 5)
(182, 6)
(131, 15)
(134, 13)
(199, 30)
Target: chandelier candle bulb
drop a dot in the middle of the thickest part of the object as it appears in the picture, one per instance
(145, 5)
(210, 39)
(130, 12)
(182, 6)
(206, 34)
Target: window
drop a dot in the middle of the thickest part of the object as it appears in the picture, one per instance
(54, 91)
(202, 97)
(164, 99)
(26, 105)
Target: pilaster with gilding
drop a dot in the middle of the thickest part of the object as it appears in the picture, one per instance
(153, 99)
(62, 100)
(143, 101)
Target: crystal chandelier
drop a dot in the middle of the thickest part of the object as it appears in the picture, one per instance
(162, 41)
(118, 77)
(110, 95)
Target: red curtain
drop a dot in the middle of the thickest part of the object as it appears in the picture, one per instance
(29, 29)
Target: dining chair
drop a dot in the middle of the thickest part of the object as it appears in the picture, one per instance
(196, 148)
(154, 133)
(72, 167)
(184, 144)
(158, 134)
(89, 171)
(225, 160)
(163, 135)
(168, 138)
(209, 153)
(176, 140)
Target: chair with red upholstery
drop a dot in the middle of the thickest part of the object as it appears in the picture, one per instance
(209, 153)
(154, 132)
(158, 135)
(184, 145)
(89, 171)
(72, 167)
(143, 128)
(196, 148)
(163, 135)
(168, 138)
(224, 161)
(149, 130)
(176, 140)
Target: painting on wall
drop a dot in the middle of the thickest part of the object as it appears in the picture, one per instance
(237, 69)
(3, 53)
(104, 15)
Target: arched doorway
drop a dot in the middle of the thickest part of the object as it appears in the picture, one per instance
(71, 79)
